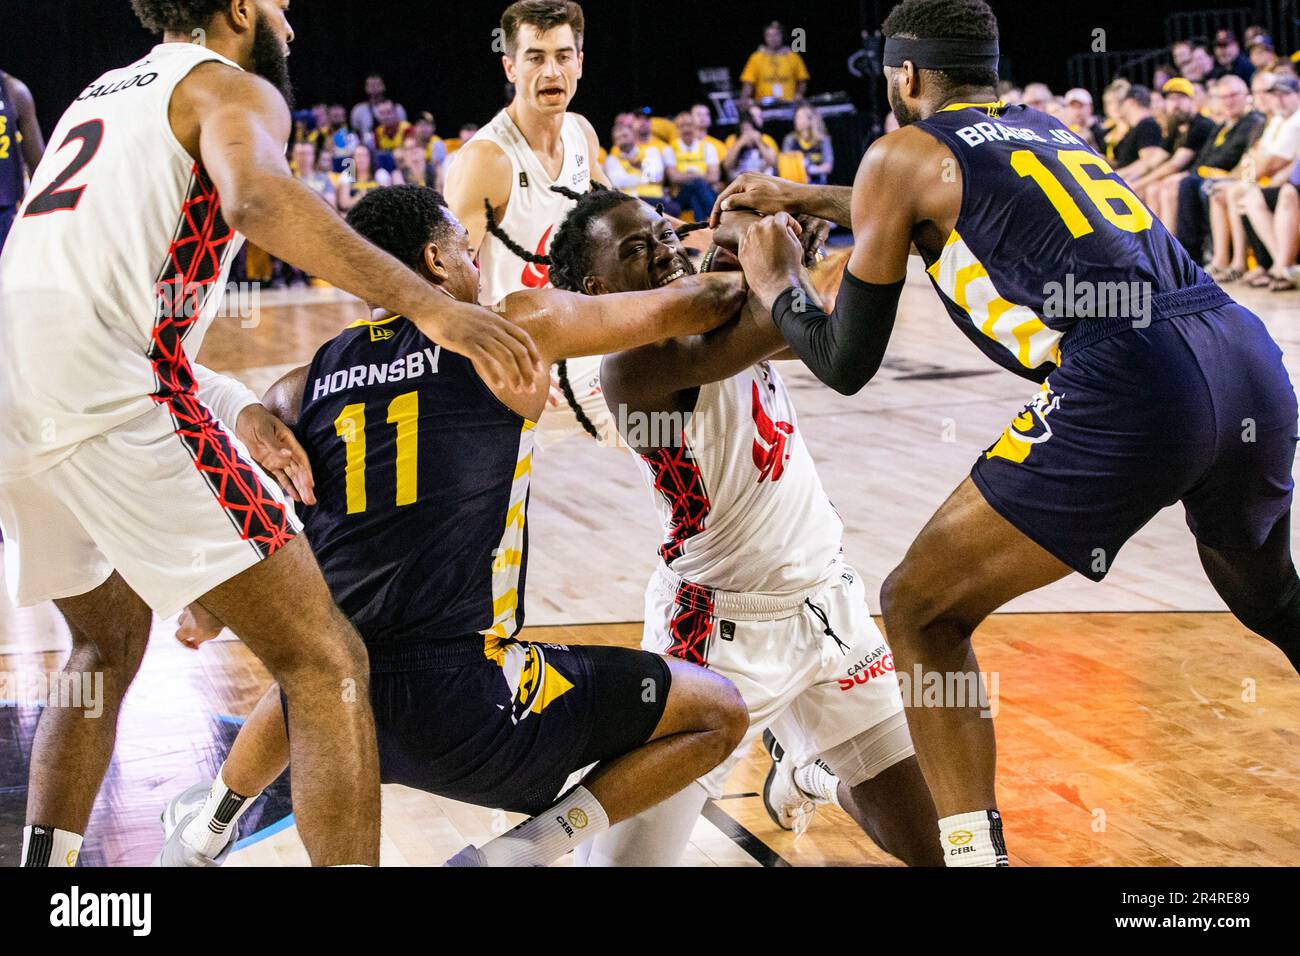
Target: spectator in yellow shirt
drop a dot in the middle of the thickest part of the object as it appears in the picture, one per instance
(704, 123)
(391, 129)
(774, 71)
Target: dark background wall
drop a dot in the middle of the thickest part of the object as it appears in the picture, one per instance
(437, 54)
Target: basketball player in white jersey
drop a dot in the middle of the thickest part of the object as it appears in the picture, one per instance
(129, 476)
(752, 582)
(513, 162)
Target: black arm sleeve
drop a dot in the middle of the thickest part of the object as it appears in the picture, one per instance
(843, 349)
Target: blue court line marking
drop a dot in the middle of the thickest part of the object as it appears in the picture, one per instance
(277, 827)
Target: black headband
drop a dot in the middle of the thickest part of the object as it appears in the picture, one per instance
(942, 54)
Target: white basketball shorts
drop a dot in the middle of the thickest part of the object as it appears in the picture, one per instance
(171, 500)
(813, 666)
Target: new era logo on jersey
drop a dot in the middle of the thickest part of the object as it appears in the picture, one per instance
(378, 334)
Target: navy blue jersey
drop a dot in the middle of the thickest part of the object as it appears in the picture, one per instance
(1047, 236)
(421, 483)
(11, 157)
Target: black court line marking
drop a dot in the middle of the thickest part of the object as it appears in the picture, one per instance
(738, 835)
(942, 376)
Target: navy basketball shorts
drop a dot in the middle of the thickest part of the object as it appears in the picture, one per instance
(503, 724)
(1194, 408)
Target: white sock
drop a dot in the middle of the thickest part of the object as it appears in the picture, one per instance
(543, 839)
(819, 782)
(46, 846)
(973, 839)
(207, 832)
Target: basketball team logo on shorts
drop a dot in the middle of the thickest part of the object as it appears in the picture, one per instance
(1031, 427)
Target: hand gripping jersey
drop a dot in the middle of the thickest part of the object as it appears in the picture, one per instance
(422, 480)
(534, 212)
(738, 494)
(1048, 238)
(114, 269)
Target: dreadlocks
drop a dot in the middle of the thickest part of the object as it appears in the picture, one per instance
(569, 260)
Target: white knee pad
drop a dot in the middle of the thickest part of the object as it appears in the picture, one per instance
(871, 752)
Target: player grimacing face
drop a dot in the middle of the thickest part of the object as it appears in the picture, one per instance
(638, 250)
(545, 69)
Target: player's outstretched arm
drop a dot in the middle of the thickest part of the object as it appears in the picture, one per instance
(845, 349)
(769, 195)
(567, 324)
(237, 124)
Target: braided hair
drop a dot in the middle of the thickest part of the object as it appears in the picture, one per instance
(569, 260)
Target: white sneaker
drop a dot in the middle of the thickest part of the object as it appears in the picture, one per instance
(788, 806)
(183, 808)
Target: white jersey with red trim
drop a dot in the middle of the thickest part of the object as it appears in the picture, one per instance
(534, 211)
(738, 493)
(115, 267)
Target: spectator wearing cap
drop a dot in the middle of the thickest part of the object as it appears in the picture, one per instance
(1218, 159)
(1262, 54)
(1186, 132)
(774, 71)
(1079, 116)
(1241, 209)
(1229, 58)
(1142, 148)
(364, 116)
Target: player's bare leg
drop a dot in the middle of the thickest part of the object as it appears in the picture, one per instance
(896, 810)
(283, 611)
(260, 752)
(930, 613)
(1261, 587)
(704, 720)
(73, 745)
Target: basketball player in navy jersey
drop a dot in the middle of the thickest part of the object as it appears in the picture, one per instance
(1179, 395)
(17, 121)
(422, 480)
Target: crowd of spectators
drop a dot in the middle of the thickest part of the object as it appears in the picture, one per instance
(1211, 147)
(672, 162)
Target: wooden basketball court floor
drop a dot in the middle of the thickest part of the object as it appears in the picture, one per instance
(1137, 723)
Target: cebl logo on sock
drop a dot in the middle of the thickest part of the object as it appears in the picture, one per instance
(578, 818)
(960, 837)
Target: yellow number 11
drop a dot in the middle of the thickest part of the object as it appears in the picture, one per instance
(1100, 191)
(404, 412)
